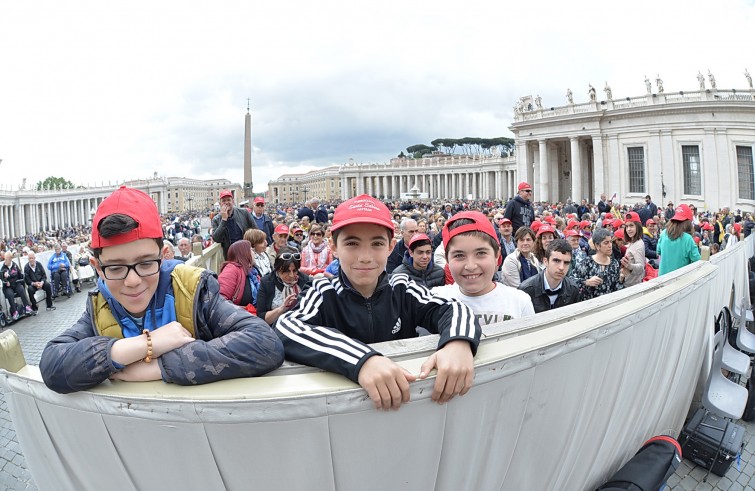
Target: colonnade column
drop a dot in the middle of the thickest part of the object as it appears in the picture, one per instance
(576, 171)
(544, 188)
(597, 165)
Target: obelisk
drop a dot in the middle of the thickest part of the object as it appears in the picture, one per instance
(248, 186)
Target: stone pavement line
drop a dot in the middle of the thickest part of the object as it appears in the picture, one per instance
(34, 332)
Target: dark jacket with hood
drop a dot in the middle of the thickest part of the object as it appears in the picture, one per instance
(430, 277)
(520, 212)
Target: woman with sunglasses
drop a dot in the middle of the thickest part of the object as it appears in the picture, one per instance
(239, 279)
(296, 237)
(316, 255)
(280, 289)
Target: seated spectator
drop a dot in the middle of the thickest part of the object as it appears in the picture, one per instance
(280, 239)
(169, 251)
(258, 240)
(418, 263)
(522, 264)
(184, 248)
(600, 273)
(577, 254)
(473, 255)
(676, 246)
(35, 277)
(239, 280)
(551, 288)
(58, 266)
(316, 255)
(13, 285)
(280, 289)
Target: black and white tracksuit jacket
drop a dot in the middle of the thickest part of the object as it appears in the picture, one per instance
(332, 325)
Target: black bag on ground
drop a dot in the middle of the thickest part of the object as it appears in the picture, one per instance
(702, 435)
(650, 467)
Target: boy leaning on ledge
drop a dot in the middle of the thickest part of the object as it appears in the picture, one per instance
(338, 316)
(153, 319)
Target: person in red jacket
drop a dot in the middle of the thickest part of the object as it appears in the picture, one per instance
(239, 279)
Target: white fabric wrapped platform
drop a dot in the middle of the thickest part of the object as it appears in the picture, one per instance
(560, 401)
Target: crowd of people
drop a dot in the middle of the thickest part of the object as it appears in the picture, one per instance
(329, 280)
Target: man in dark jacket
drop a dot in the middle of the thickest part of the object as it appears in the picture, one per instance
(408, 228)
(551, 288)
(650, 238)
(262, 220)
(230, 224)
(603, 206)
(519, 210)
(36, 279)
(321, 214)
(418, 263)
(650, 209)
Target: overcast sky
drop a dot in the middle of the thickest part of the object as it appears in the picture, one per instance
(106, 91)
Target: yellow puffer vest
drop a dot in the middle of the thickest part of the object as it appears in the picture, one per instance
(185, 280)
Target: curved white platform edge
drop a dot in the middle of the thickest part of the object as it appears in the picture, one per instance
(560, 402)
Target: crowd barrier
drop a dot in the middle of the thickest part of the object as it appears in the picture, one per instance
(561, 400)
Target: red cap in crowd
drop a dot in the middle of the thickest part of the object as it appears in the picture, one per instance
(132, 203)
(738, 227)
(480, 224)
(545, 229)
(259, 199)
(682, 213)
(226, 194)
(549, 219)
(524, 185)
(281, 229)
(650, 222)
(633, 217)
(609, 216)
(363, 209)
(535, 226)
(504, 220)
(585, 224)
(572, 224)
(571, 233)
(418, 238)
(619, 234)
(617, 223)
(696, 239)
(708, 226)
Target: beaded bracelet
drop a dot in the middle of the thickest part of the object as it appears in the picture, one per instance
(148, 358)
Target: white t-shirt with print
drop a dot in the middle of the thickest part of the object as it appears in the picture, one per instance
(500, 304)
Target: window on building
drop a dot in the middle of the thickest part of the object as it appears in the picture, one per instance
(692, 173)
(745, 170)
(636, 169)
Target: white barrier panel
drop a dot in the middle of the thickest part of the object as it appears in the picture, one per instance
(561, 400)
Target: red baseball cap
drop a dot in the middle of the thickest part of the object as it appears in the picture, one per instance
(504, 220)
(572, 224)
(417, 238)
(259, 199)
(363, 209)
(524, 185)
(682, 213)
(549, 219)
(571, 233)
(708, 226)
(480, 224)
(545, 229)
(633, 217)
(617, 223)
(282, 229)
(609, 216)
(226, 194)
(619, 234)
(650, 222)
(738, 227)
(585, 223)
(535, 226)
(132, 203)
(696, 239)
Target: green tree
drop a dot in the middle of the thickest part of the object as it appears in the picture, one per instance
(419, 150)
(53, 182)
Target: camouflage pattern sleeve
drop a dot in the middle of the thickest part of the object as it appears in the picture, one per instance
(231, 343)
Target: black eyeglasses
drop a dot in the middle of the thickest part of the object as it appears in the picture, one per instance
(315, 234)
(299, 234)
(287, 256)
(527, 190)
(121, 271)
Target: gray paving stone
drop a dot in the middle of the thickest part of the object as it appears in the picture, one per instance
(688, 483)
(724, 483)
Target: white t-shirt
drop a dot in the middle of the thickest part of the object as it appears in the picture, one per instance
(500, 304)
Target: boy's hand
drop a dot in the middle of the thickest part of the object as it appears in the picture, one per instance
(386, 383)
(139, 372)
(455, 365)
(169, 337)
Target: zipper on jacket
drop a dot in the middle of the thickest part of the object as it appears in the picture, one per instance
(371, 326)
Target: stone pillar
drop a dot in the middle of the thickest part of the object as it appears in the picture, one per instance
(598, 167)
(576, 171)
(543, 185)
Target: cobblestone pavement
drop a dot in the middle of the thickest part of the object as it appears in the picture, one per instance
(34, 332)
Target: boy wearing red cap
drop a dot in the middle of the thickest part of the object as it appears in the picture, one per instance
(153, 319)
(338, 316)
(418, 263)
(473, 256)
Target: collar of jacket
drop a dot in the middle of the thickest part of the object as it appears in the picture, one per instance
(381, 284)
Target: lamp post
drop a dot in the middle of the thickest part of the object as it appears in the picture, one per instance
(305, 190)
(190, 198)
